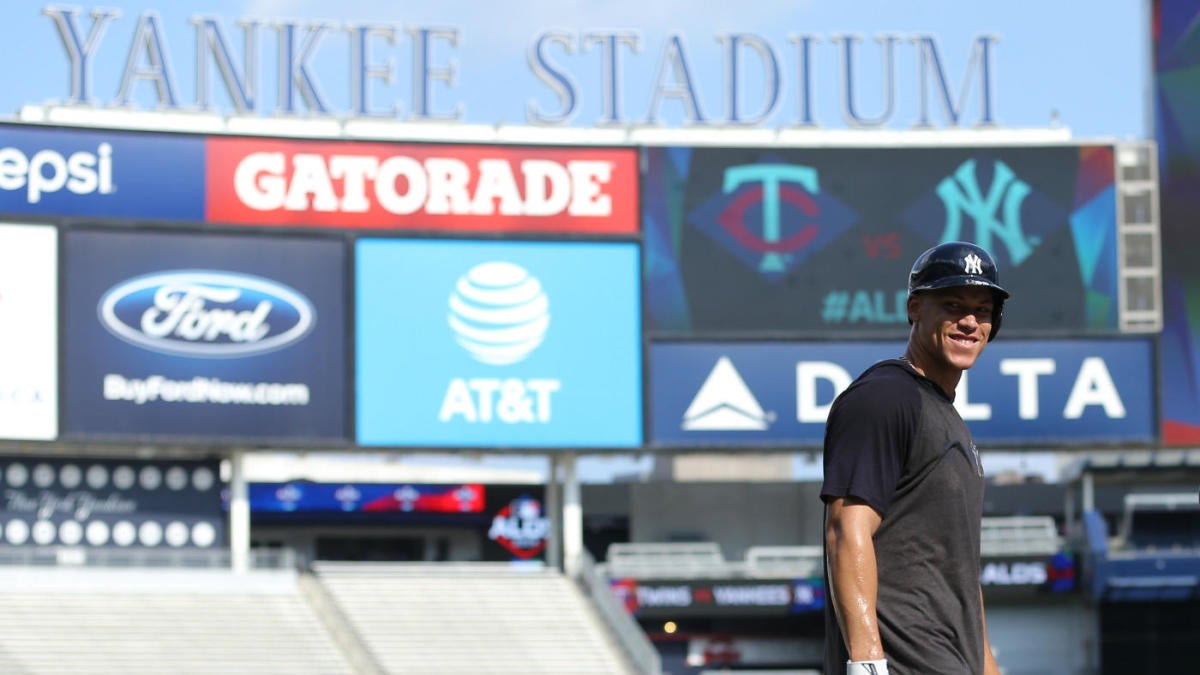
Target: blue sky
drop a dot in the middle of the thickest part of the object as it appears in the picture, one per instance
(1082, 63)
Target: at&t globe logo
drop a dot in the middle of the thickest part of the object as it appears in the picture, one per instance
(499, 313)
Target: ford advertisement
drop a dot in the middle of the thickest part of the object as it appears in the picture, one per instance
(498, 344)
(1061, 392)
(204, 337)
(52, 171)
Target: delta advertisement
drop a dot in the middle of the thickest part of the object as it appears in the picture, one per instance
(819, 242)
(49, 171)
(498, 344)
(29, 343)
(1019, 392)
(94, 503)
(204, 337)
(433, 187)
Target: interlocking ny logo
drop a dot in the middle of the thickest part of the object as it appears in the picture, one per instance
(996, 213)
(973, 264)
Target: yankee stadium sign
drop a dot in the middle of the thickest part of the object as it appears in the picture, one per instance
(270, 66)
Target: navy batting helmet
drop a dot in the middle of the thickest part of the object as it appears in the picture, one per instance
(959, 263)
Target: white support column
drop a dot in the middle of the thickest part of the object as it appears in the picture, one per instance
(239, 514)
(572, 512)
(554, 547)
(1089, 492)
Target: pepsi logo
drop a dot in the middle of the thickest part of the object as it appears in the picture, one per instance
(499, 313)
(206, 313)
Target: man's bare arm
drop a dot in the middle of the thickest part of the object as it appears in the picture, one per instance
(853, 576)
(989, 661)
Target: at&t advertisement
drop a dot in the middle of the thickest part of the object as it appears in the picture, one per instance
(498, 344)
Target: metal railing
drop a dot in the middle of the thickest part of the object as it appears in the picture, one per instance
(1019, 535)
(639, 651)
(348, 640)
(704, 560)
(73, 556)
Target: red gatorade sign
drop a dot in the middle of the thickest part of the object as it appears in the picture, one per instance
(389, 186)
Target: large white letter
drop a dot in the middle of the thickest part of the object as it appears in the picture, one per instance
(496, 182)
(807, 374)
(1027, 371)
(448, 180)
(1094, 386)
(547, 187)
(413, 173)
(258, 180)
(970, 411)
(310, 177)
(587, 177)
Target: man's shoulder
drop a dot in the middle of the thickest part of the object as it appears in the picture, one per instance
(890, 381)
(888, 373)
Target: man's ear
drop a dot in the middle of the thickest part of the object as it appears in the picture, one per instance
(913, 305)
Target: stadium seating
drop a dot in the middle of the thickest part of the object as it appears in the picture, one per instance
(1159, 522)
(471, 618)
(154, 622)
(688, 560)
(1020, 535)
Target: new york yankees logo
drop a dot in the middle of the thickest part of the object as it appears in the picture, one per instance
(973, 264)
(996, 212)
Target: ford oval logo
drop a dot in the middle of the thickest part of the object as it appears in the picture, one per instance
(206, 313)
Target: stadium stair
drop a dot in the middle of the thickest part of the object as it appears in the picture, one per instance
(474, 618)
(153, 622)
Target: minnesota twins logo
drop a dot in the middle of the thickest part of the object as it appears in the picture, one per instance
(772, 216)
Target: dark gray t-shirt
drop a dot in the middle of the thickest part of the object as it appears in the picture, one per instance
(895, 441)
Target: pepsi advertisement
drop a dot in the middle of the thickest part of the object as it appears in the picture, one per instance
(498, 344)
(198, 337)
(51, 171)
(1019, 392)
(819, 242)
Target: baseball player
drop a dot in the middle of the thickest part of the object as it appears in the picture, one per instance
(903, 487)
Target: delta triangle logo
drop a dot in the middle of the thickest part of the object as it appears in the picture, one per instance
(725, 403)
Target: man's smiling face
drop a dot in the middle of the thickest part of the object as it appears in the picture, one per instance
(951, 326)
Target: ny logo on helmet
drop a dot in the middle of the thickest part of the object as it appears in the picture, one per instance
(973, 264)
